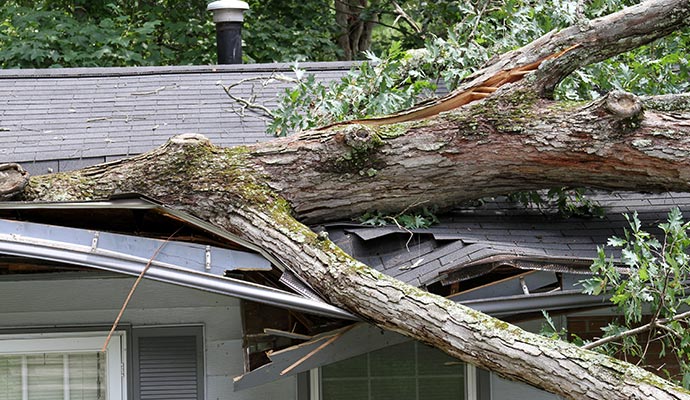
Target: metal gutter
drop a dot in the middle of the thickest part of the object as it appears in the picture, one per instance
(135, 201)
(203, 258)
(163, 272)
(559, 300)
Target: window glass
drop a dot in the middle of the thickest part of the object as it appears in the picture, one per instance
(407, 371)
(74, 376)
(62, 366)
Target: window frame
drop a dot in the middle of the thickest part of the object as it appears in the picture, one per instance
(81, 342)
(470, 377)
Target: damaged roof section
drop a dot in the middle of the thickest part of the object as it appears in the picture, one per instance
(501, 250)
(499, 259)
(127, 235)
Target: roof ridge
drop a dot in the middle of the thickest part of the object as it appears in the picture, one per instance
(92, 72)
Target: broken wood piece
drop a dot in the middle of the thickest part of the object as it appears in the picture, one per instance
(291, 335)
(520, 72)
(316, 350)
(485, 89)
(455, 99)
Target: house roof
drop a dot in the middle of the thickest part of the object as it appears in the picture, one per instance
(62, 119)
(188, 263)
(481, 247)
(66, 118)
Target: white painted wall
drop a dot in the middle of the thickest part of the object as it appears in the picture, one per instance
(96, 301)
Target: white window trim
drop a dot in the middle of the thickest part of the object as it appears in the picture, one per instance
(470, 382)
(76, 343)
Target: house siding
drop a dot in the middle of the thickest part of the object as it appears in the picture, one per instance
(58, 303)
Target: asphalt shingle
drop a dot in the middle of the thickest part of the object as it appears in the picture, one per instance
(90, 114)
(471, 235)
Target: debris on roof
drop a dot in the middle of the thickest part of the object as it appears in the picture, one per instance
(499, 249)
(63, 119)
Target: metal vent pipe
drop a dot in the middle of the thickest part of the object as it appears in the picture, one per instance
(228, 16)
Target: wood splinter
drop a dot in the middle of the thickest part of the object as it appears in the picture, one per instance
(456, 99)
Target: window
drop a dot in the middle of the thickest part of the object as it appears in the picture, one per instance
(407, 371)
(61, 366)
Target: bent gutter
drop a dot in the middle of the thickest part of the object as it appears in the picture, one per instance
(57, 251)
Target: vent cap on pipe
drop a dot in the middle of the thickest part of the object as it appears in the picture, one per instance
(228, 10)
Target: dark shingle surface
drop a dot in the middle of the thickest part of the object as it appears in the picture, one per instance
(90, 114)
(500, 228)
(63, 119)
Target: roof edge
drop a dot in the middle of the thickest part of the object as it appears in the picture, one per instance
(93, 72)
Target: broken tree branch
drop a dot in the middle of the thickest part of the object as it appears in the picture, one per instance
(661, 323)
(13, 180)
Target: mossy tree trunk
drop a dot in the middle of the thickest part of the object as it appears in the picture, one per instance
(516, 139)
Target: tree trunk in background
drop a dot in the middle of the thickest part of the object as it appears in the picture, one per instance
(356, 26)
(515, 139)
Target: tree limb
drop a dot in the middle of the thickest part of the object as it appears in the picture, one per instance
(13, 180)
(661, 323)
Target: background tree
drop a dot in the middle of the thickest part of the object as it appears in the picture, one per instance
(56, 33)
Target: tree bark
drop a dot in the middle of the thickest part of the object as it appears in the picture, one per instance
(13, 180)
(516, 139)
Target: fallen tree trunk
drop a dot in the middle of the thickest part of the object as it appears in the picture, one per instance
(514, 139)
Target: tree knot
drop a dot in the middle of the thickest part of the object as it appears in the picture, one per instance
(361, 137)
(13, 180)
(190, 139)
(623, 105)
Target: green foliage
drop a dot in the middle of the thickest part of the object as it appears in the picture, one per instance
(548, 329)
(649, 287)
(290, 30)
(569, 202)
(379, 87)
(398, 79)
(658, 68)
(49, 33)
(415, 219)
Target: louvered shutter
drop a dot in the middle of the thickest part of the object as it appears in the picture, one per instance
(168, 364)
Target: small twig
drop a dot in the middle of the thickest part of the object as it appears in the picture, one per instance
(406, 209)
(406, 17)
(249, 104)
(156, 91)
(670, 331)
(655, 324)
(134, 286)
(480, 14)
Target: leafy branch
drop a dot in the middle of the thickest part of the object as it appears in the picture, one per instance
(569, 202)
(418, 219)
(648, 285)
